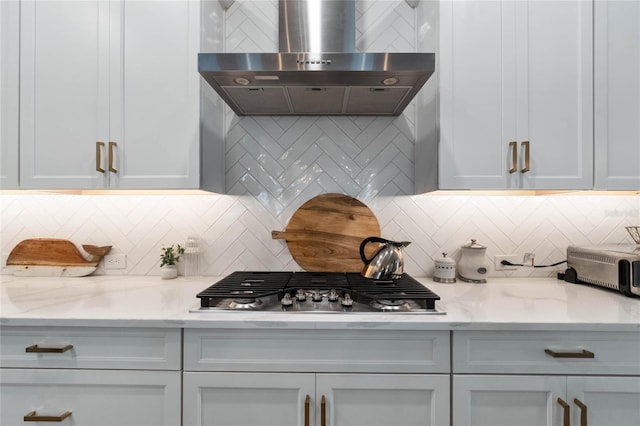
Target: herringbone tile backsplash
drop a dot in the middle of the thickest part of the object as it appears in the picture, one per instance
(290, 158)
(236, 230)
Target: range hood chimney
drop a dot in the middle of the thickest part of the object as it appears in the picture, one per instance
(317, 71)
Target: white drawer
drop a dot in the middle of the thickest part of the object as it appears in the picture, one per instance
(355, 351)
(105, 348)
(93, 397)
(546, 352)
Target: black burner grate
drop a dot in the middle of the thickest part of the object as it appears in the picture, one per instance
(405, 288)
(244, 285)
(254, 285)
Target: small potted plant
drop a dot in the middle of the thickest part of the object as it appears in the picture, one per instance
(169, 259)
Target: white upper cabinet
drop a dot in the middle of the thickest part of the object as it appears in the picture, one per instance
(516, 104)
(9, 93)
(63, 93)
(617, 94)
(109, 94)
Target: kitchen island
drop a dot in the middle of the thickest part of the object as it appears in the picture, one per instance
(531, 351)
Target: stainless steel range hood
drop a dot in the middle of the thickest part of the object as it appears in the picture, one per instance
(317, 71)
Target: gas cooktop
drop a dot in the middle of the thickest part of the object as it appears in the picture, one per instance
(316, 292)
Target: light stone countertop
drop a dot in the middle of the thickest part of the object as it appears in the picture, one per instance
(147, 301)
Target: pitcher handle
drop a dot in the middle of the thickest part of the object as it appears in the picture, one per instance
(370, 240)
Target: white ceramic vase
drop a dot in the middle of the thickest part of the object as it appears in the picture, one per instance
(169, 272)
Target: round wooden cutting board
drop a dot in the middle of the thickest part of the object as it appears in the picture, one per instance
(325, 233)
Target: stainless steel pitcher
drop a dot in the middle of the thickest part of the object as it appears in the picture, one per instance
(387, 263)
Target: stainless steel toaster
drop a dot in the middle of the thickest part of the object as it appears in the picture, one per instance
(616, 267)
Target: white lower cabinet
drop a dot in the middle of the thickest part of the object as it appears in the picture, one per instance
(546, 378)
(383, 399)
(90, 376)
(604, 400)
(296, 399)
(316, 377)
(90, 397)
(546, 400)
(281, 399)
(246, 399)
(507, 400)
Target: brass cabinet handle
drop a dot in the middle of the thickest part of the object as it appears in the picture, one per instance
(583, 354)
(33, 417)
(323, 412)
(307, 401)
(567, 411)
(527, 164)
(111, 146)
(99, 146)
(306, 410)
(40, 350)
(513, 146)
(583, 411)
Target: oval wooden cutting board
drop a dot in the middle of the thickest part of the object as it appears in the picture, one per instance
(325, 233)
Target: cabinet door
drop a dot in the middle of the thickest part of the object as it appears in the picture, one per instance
(508, 400)
(123, 73)
(606, 400)
(516, 95)
(617, 94)
(63, 92)
(477, 94)
(155, 94)
(555, 93)
(93, 397)
(382, 399)
(247, 399)
(9, 93)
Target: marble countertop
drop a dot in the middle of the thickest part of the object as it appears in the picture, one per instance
(147, 301)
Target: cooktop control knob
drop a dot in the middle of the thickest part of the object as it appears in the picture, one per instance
(287, 300)
(301, 296)
(317, 296)
(333, 296)
(347, 300)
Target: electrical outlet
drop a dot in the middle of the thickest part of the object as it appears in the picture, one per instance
(115, 261)
(513, 258)
(528, 259)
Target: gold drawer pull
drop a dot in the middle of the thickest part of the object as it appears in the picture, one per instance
(33, 417)
(583, 411)
(583, 354)
(566, 412)
(40, 350)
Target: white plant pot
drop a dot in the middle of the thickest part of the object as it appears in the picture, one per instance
(169, 272)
